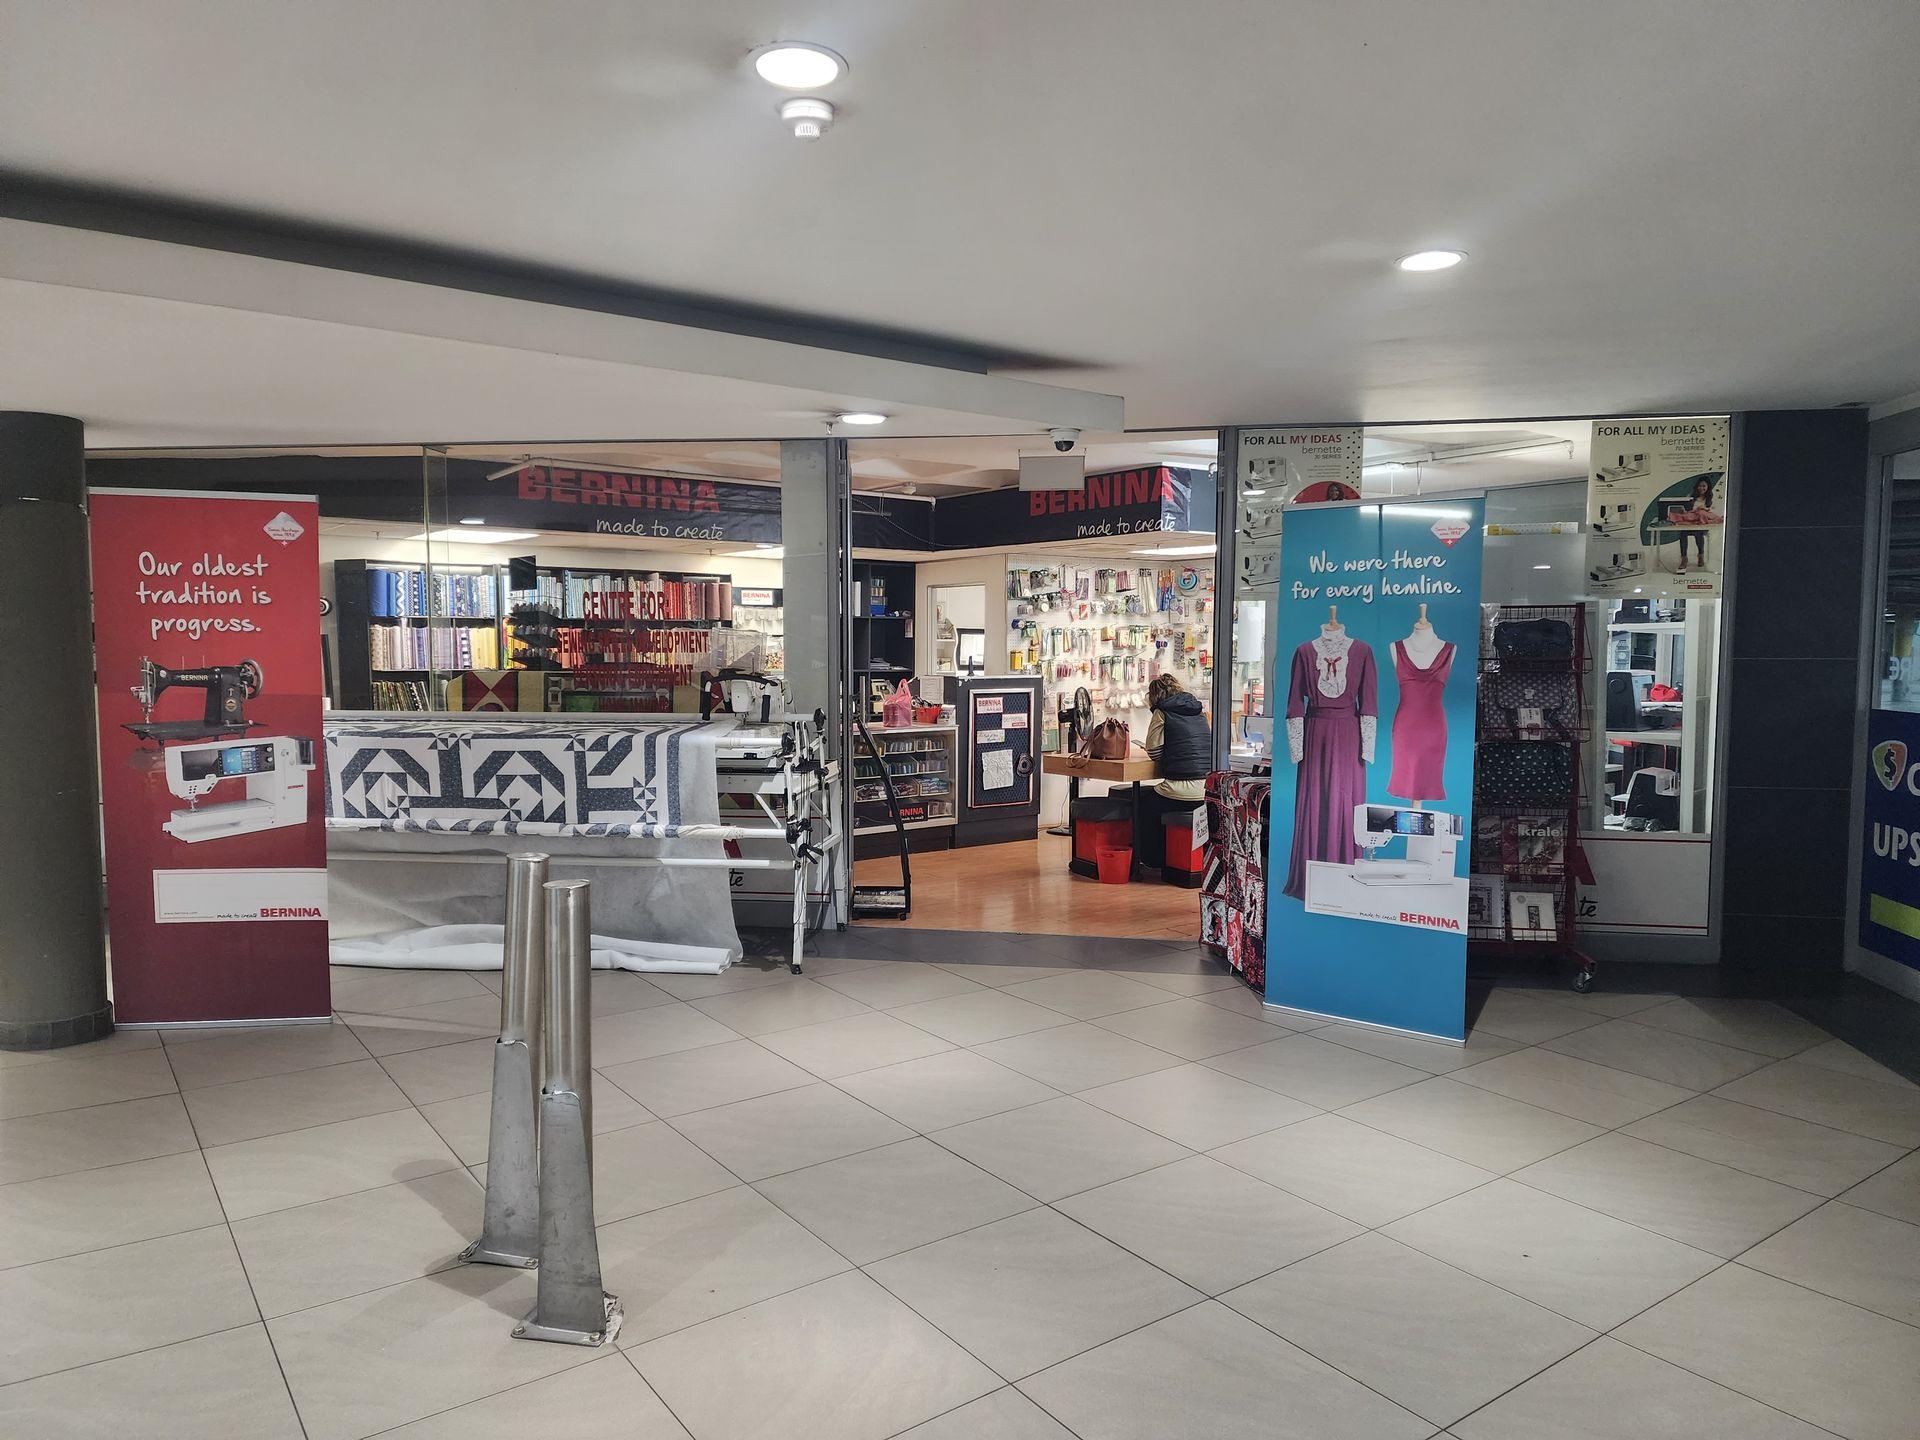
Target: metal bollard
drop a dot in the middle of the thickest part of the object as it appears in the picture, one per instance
(510, 1231)
(570, 1305)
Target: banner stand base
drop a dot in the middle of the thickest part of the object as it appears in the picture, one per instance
(1267, 1004)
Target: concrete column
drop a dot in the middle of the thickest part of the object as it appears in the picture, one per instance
(53, 966)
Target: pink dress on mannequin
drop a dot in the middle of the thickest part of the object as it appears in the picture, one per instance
(1420, 726)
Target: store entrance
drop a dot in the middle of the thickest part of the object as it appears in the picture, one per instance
(1008, 681)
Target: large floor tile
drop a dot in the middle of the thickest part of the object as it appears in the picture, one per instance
(276, 1172)
(1833, 1097)
(838, 1360)
(1317, 1071)
(880, 1202)
(373, 990)
(100, 1135)
(1028, 1291)
(83, 1308)
(314, 1254)
(1006, 1414)
(1838, 1055)
(1077, 1057)
(366, 1364)
(1242, 1000)
(224, 1114)
(69, 1084)
(606, 1400)
(658, 1030)
(867, 1041)
(1471, 1124)
(901, 982)
(614, 992)
(1697, 1202)
(950, 1088)
(1423, 1334)
(980, 1015)
(1767, 1143)
(1611, 1003)
(1610, 1391)
(1197, 1107)
(1206, 1223)
(1353, 1170)
(997, 975)
(1683, 1060)
(444, 1072)
(250, 1053)
(644, 1167)
(1578, 1262)
(92, 1209)
(789, 1130)
(686, 1263)
(1527, 1018)
(465, 1122)
(1436, 1057)
(766, 1008)
(1086, 994)
(1059, 1147)
(169, 1393)
(745, 974)
(117, 1042)
(1870, 1260)
(1893, 1191)
(1746, 1024)
(1188, 1028)
(1598, 1094)
(448, 1023)
(689, 1080)
(1208, 1371)
(1830, 1363)
(1194, 983)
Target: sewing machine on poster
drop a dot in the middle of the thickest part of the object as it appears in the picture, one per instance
(275, 769)
(1432, 843)
(228, 688)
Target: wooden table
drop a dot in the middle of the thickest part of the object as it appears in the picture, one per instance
(1130, 771)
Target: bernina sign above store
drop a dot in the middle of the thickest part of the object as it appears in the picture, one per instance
(661, 506)
(1121, 502)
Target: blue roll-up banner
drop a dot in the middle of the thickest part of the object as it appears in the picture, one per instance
(1378, 640)
(1890, 859)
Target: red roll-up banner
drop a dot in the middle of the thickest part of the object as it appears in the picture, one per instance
(207, 648)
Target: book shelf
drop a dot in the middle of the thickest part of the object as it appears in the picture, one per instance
(882, 603)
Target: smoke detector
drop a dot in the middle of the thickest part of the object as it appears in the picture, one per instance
(807, 117)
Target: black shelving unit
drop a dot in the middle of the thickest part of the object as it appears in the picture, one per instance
(354, 621)
(882, 643)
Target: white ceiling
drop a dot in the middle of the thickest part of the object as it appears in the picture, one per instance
(1668, 204)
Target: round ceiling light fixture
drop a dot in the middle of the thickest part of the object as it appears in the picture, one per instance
(808, 118)
(1423, 260)
(861, 417)
(798, 65)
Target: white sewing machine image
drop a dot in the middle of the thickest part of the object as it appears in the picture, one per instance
(1418, 888)
(275, 768)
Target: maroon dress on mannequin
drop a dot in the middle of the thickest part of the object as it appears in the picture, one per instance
(1420, 726)
(1329, 689)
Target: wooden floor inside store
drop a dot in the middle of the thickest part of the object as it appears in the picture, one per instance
(1025, 887)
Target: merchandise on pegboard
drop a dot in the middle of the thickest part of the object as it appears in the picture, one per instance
(1112, 629)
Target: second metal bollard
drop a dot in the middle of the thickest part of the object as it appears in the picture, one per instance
(510, 1232)
(570, 1305)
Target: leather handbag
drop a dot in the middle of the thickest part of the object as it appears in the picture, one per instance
(1523, 772)
(1109, 740)
(1544, 639)
(1535, 704)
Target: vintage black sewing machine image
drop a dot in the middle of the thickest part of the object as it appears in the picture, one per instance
(227, 687)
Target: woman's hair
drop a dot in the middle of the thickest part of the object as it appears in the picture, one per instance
(1337, 491)
(1162, 687)
(1703, 484)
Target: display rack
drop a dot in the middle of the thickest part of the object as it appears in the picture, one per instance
(397, 625)
(1526, 860)
(882, 608)
(920, 758)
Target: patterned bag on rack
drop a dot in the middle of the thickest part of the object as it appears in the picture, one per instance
(1532, 704)
(1523, 772)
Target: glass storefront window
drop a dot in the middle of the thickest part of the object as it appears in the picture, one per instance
(1898, 660)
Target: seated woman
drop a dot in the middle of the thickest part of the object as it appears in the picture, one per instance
(1180, 741)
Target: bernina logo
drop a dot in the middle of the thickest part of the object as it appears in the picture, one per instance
(284, 528)
(1446, 532)
(291, 912)
(1432, 922)
(620, 492)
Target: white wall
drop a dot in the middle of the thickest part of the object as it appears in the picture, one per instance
(987, 571)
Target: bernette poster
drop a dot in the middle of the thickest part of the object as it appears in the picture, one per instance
(1378, 640)
(1657, 507)
(1289, 465)
(207, 651)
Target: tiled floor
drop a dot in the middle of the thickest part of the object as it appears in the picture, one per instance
(978, 1188)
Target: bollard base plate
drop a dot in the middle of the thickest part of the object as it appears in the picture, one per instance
(530, 1329)
(479, 1254)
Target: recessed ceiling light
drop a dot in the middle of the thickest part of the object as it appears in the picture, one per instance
(861, 417)
(762, 551)
(473, 520)
(1173, 552)
(464, 534)
(797, 65)
(1543, 567)
(1431, 260)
